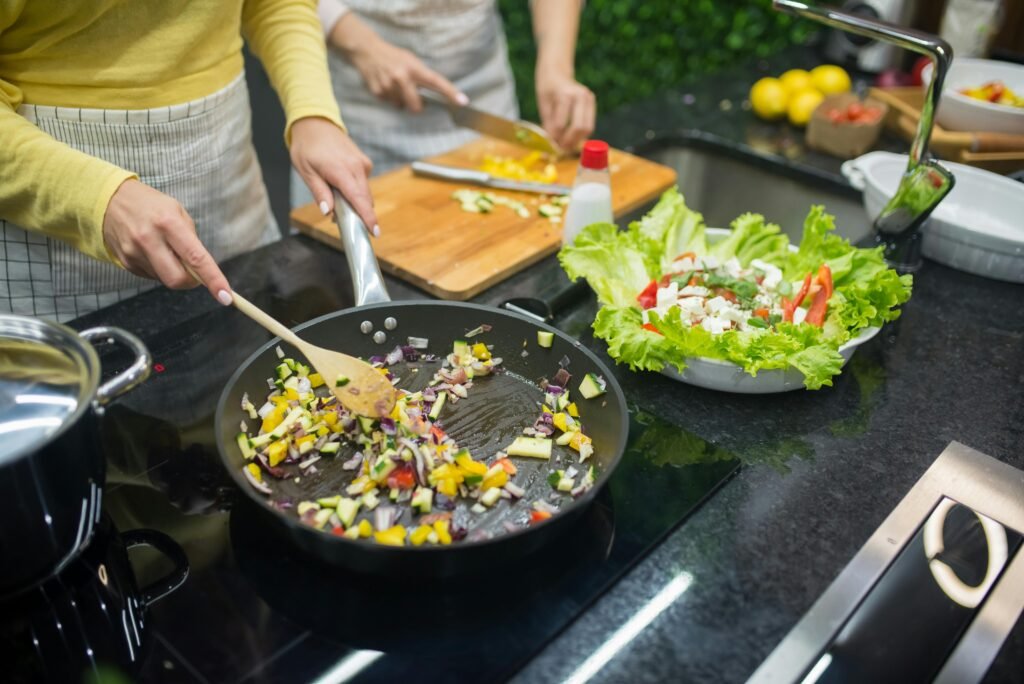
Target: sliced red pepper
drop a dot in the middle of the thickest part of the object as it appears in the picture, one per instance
(402, 477)
(437, 433)
(539, 516)
(650, 326)
(506, 465)
(816, 314)
(649, 297)
(825, 278)
(788, 307)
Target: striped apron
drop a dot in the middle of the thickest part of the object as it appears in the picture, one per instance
(198, 152)
(463, 40)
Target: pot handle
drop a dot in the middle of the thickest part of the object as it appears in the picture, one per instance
(367, 281)
(132, 376)
(160, 588)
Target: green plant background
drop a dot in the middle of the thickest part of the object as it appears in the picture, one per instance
(631, 49)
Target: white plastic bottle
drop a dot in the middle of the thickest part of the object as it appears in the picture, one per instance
(591, 198)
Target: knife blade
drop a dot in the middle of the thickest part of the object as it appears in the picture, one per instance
(462, 175)
(510, 130)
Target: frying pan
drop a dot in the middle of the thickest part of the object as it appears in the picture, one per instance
(497, 409)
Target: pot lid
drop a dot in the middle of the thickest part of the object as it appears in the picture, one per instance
(47, 376)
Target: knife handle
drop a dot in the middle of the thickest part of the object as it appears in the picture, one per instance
(450, 173)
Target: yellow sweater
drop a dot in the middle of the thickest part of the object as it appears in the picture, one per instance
(132, 54)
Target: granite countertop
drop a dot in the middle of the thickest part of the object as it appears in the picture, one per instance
(821, 469)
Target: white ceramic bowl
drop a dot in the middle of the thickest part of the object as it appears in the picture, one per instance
(977, 228)
(725, 376)
(957, 112)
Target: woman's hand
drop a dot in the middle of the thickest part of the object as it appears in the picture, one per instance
(567, 108)
(390, 73)
(326, 157)
(152, 235)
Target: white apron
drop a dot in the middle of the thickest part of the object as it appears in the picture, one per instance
(200, 153)
(463, 40)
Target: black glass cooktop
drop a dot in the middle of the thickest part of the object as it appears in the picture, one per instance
(256, 608)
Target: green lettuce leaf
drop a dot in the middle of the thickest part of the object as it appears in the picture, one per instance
(610, 260)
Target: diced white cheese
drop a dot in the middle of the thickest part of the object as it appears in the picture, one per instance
(733, 267)
(716, 304)
(694, 291)
(710, 262)
(684, 264)
(666, 296)
(772, 275)
(714, 325)
(692, 305)
(799, 315)
(733, 314)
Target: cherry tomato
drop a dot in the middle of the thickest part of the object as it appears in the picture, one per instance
(835, 116)
(854, 111)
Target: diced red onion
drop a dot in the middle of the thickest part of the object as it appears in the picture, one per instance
(376, 359)
(321, 440)
(273, 471)
(544, 507)
(256, 484)
(561, 378)
(545, 430)
(510, 526)
(524, 353)
(460, 522)
(429, 394)
(384, 517)
(571, 471)
(245, 400)
(270, 383)
(460, 391)
(394, 356)
(563, 363)
(387, 426)
(404, 496)
(410, 353)
(443, 502)
(505, 494)
(303, 386)
(553, 389)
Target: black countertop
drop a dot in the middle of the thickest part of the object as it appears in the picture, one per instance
(821, 469)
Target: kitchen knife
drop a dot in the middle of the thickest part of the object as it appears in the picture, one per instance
(516, 132)
(461, 175)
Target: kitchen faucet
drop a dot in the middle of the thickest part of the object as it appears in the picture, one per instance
(925, 182)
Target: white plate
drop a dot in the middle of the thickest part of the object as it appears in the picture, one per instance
(957, 112)
(977, 228)
(725, 376)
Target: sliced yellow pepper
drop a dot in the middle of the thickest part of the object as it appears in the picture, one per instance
(579, 438)
(323, 431)
(277, 452)
(560, 422)
(481, 351)
(330, 417)
(305, 438)
(448, 486)
(443, 535)
(497, 480)
(469, 466)
(572, 410)
(291, 394)
(420, 534)
(255, 471)
(393, 536)
(274, 418)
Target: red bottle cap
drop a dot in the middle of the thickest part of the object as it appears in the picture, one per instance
(594, 155)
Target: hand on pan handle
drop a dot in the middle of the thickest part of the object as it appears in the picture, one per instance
(325, 156)
(152, 235)
(389, 72)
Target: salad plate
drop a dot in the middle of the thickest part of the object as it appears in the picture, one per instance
(737, 310)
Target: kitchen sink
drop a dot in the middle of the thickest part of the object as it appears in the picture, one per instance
(722, 185)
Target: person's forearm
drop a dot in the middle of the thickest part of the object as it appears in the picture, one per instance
(350, 35)
(555, 25)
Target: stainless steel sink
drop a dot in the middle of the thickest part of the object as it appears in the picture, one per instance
(722, 187)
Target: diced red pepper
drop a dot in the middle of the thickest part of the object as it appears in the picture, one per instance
(650, 326)
(816, 314)
(337, 530)
(506, 465)
(761, 313)
(402, 477)
(649, 297)
(726, 294)
(437, 433)
(539, 516)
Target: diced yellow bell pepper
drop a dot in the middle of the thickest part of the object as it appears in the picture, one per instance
(572, 410)
(305, 438)
(481, 351)
(545, 409)
(560, 422)
(448, 486)
(579, 438)
(393, 536)
(278, 400)
(277, 452)
(323, 431)
(274, 418)
(291, 394)
(329, 417)
(420, 534)
(315, 380)
(497, 480)
(255, 471)
(365, 528)
(443, 535)
(469, 466)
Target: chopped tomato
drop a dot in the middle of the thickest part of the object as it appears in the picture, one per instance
(694, 281)
(825, 278)
(337, 530)
(649, 297)
(816, 314)
(761, 313)
(539, 516)
(402, 477)
(506, 465)
(437, 433)
(649, 326)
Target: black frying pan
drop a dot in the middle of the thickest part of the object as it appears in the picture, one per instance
(498, 408)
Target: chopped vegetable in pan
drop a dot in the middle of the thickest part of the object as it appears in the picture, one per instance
(412, 484)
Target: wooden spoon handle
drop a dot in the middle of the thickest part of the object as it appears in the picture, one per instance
(257, 314)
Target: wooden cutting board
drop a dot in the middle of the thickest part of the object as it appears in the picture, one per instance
(427, 240)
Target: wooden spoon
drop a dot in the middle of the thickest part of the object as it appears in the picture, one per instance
(367, 392)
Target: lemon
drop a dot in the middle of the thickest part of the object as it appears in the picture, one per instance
(796, 80)
(768, 98)
(830, 79)
(802, 105)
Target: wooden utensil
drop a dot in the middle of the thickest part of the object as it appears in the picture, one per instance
(367, 391)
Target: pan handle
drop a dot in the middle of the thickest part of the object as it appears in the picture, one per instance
(367, 281)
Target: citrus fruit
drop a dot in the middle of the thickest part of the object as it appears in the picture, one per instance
(768, 98)
(830, 79)
(802, 105)
(796, 80)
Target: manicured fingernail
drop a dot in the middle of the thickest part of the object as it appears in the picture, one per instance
(376, 231)
(224, 297)
(324, 209)
(462, 99)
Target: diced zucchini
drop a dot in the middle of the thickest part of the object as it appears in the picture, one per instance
(340, 381)
(306, 506)
(290, 362)
(592, 386)
(370, 500)
(292, 383)
(530, 447)
(322, 516)
(423, 499)
(351, 533)
(491, 496)
(330, 501)
(565, 484)
(478, 508)
(301, 369)
(461, 349)
(549, 210)
(330, 448)
(563, 439)
(435, 410)
(243, 443)
(347, 509)
(305, 448)
(545, 338)
(282, 371)
(366, 424)
(262, 440)
(563, 400)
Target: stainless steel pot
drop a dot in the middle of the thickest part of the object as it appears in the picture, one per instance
(51, 466)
